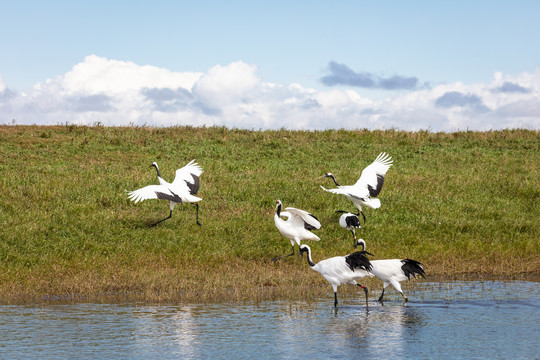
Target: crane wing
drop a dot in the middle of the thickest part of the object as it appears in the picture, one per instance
(285, 214)
(154, 192)
(412, 267)
(147, 192)
(372, 176)
(350, 220)
(188, 177)
(345, 190)
(305, 219)
(358, 260)
(341, 190)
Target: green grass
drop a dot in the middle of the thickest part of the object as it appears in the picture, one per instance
(463, 204)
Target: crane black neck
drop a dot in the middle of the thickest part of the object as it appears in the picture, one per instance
(309, 260)
(157, 169)
(334, 178)
(361, 243)
(278, 209)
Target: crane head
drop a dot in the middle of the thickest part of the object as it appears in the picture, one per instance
(303, 248)
(362, 243)
(278, 207)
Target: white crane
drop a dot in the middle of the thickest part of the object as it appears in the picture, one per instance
(297, 227)
(368, 186)
(393, 271)
(341, 269)
(349, 221)
(182, 190)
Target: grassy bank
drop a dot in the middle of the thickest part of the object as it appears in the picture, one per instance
(462, 203)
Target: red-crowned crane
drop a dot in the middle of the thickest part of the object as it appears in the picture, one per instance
(341, 270)
(349, 221)
(368, 186)
(297, 227)
(182, 190)
(393, 271)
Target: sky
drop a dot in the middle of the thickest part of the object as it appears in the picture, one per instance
(311, 65)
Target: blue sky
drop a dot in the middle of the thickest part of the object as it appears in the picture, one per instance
(297, 64)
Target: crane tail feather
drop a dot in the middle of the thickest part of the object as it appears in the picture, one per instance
(358, 260)
(412, 268)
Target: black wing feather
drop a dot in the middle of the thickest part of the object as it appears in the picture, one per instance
(375, 191)
(193, 187)
(308, 226)
(358, 260)
(173, 197)
(412, 267)
(352, 221)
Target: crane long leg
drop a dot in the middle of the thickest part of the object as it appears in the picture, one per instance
(405, 300)
(335, 300)
(280, 257)
(364, 216)
(197, 214)
(168, 217)
(354, 238)
(366, 291)
(381, 297)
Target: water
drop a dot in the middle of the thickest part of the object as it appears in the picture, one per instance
(491, 319)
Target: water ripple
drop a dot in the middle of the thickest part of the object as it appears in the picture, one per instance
(492, 319)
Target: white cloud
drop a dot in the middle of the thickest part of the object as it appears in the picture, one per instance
(97, 75)
(119, 93)
(228, 85)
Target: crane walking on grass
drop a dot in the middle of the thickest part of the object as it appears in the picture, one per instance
(182, 190)
(393, 271)
(297, 227)
(341, 269)
(368, 186)
(349, 221)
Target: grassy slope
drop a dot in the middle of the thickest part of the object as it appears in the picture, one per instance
(464, 203)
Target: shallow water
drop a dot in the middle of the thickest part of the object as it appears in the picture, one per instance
(490, 319)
